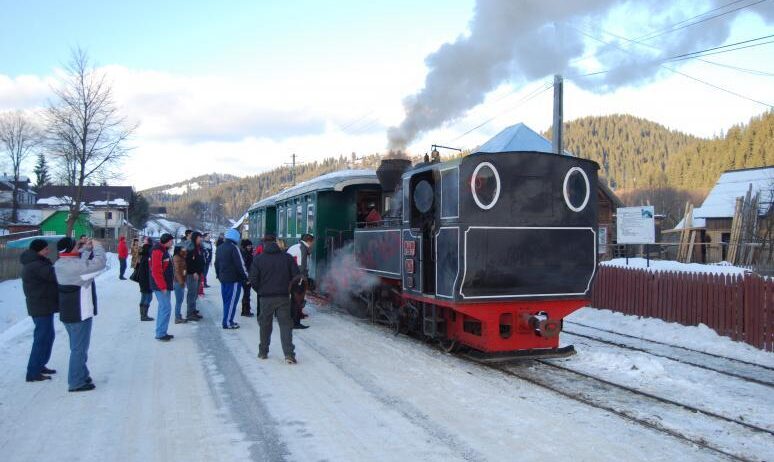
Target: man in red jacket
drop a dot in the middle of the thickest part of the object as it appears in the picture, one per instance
(123, 253)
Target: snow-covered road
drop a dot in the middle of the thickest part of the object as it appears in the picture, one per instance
(358, 393)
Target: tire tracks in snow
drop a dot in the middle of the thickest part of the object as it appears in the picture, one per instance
(236, 391)
(404, 408)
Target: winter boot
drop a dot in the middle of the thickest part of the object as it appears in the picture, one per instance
(144, 313)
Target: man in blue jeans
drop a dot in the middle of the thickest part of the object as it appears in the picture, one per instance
(231, 272)
(40, 290)
(75, 272)
(162, 278)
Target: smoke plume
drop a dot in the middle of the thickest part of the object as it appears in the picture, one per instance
(520, 41)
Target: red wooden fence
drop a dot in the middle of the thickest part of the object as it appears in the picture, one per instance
(740, 307)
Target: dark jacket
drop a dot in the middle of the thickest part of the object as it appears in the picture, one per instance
(272, 271)
(39, 283)
(195, 260)
(229, 266)
(143, 269)
(247, 258)
(161, 274)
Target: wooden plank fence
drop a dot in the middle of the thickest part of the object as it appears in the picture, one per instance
(740, 307)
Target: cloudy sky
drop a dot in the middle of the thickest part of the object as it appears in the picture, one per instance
(238, 86)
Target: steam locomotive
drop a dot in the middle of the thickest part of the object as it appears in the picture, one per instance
(486, 253)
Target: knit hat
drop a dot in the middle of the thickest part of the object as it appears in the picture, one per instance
(38, 244)
(233, 235)
(166, 237)
(65, 245)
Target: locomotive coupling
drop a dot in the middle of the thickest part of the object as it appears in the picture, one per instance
(543, 326)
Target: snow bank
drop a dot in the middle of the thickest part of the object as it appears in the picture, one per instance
(700, 337)
(668, 265)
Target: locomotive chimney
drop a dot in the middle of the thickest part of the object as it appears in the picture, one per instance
(557, 141)
(390, 171)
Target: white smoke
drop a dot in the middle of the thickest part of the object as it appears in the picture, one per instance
(520, 41)
(344, 279)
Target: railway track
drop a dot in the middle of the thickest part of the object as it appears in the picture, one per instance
(720, 435)
(713, 432)
(751, 372)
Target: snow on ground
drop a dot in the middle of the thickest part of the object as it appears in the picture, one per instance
(358, 393)
(669, 265)
(700, 337)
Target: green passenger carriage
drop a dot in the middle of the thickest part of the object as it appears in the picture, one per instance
(326, 207)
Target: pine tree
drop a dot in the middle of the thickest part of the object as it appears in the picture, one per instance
(42, 176)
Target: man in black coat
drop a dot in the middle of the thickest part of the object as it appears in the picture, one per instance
(40, 290)
(270, 275)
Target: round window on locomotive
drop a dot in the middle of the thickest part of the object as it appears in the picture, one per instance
(423, 196)
(576, 189)
(485, 185)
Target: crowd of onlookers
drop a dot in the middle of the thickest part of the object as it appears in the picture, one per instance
(279, 276)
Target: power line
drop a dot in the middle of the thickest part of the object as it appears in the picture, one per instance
(683, 26)
(702, 52)
(714, 63)
(525, 99)
(669, 69)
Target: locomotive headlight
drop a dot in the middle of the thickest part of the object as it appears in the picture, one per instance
(576, 189)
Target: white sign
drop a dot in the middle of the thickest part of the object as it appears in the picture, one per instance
(636, 225)
(602, 240)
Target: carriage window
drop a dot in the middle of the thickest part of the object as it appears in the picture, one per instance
(299, 219)
(310, 219)
(485, 185)
(281, 221)
(450, 193)
(576, 189)
(291, 222)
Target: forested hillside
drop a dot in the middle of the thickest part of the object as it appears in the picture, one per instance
(638, 158)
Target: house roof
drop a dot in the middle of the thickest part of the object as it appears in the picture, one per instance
(721, 200)
(90, 193)
(517, 137)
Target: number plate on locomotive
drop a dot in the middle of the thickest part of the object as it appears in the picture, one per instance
(409, 248)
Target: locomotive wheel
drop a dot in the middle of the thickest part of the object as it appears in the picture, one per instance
(357, 307)
(450, 346)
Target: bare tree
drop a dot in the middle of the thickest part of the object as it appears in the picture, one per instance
(85, 130)
(19, 137)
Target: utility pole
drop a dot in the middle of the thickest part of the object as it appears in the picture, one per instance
(293, 169)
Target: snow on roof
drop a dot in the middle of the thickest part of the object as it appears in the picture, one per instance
(517, 137)
(120, 202)
(334, 181)
(54, 201)
(696, 222)
(238, 223)
(156, 226)
(721, 201)
(25, 216)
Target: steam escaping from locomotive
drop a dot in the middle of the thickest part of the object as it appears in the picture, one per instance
(345, 279)
(522, 41)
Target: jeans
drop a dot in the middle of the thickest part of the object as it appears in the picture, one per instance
(42, 343)
(229, 292)
(281, 306)
(192, 291)
(179, 298)
(80, 336)
(164, 311)
(121, 267)
(146, 298)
